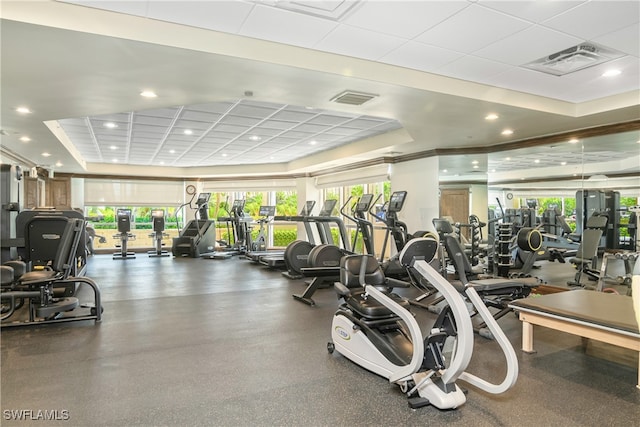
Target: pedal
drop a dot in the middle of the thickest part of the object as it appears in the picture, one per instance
(418, 402)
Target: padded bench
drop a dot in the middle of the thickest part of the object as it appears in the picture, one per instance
(600, 316)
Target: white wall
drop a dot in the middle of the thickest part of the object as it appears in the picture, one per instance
(419, 178)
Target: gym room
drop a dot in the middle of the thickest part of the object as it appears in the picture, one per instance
(352, 213)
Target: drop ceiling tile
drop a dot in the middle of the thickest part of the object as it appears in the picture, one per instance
(138, 8)
(472, 68)
(405, 19)
(277, 124)
(292, 116)
(328, 119)
(531, 10)
(626, 40)
(358, 42)
(195, 125)
(230, 129)
(212, 107)
(239, 120)
(536, 82)
(265, 132)
(159, 112)
(305, 127)
(481, 26)
(200, 116)
(226, 16)
(139, 119)
(253, 111)
(420, 56)
(596, 18)
(528, 45)
(292, 28)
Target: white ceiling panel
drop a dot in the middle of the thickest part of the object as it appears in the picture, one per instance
(473, 28)
(405, 19)
(472, 68)
(218, 15)
(420, 56)
(358, 42)
(625, 40)
(531, 10)
(292, 28)
(596, 18)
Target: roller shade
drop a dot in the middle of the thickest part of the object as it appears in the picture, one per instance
(135, 193)
(377, 173)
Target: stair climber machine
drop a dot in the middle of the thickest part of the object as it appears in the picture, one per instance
(123, 217)
(323, 262)
(374, 328)
(276, 259)
(158, 234)
(238, 232)
(199, 235)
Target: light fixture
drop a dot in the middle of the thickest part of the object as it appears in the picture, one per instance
(476, 166)
(45, 154)
(25, 138)
(563, 163)
(224, 154)
(475, 162)
(114, 160)
(574, 141)
(493, 170)
(58, 163)
(507, 158)
(536, 161)
(255, 138)
(314, 142)
(188, 132)
(148, 94)
(445, 170)
(507, 132)
(491, 116)
(23, 110)
(113, 147)
(172, 151)
(110, 125)
(611, 73)
(162, 163)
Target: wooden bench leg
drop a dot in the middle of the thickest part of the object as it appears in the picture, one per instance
(527, 337)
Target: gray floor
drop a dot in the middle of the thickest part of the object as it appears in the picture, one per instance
(221, 342)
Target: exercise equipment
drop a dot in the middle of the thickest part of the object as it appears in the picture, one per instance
(238, 233)
(199, 235)
(374, 329)
(123, 218)
(44, 293)
(157, 217)
(10, 179)
(259, 244)
(276, 259)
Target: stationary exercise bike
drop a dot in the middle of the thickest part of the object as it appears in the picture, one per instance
(158, 234)
(374, 328)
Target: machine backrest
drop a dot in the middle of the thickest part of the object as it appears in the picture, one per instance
(453, 247)
(65, 256)
(597, 221)
(443, 226)
(419, 248)
(589, 244)
(43, 235)
(350, 271)
(158, 220)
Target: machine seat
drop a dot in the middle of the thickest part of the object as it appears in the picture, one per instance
(356, 298)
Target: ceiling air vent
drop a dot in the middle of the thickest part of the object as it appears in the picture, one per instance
(353, 98)
(575, 58)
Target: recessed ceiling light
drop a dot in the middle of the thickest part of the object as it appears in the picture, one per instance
(574, 141)
(475, 162)
(476, 166)
(507, 158)
(313, 142)
(611, 73)
(255, 138)
(58, 163)
(162, 163)
(172, 151)
(110, 125)
(638, 141)
(114, 160)
(493, 170)
(445, 170)
(563, 163)
(224, 154)
(148, 94)
(45, 154)
(188, 132)
(113, 147)
(536, 161)
(271, 158)
(23, 110)
(492, 116)
(507, 132)
(25, 138)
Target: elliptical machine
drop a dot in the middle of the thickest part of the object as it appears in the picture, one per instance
(374, 329)
(124, 234)
(158, 233)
